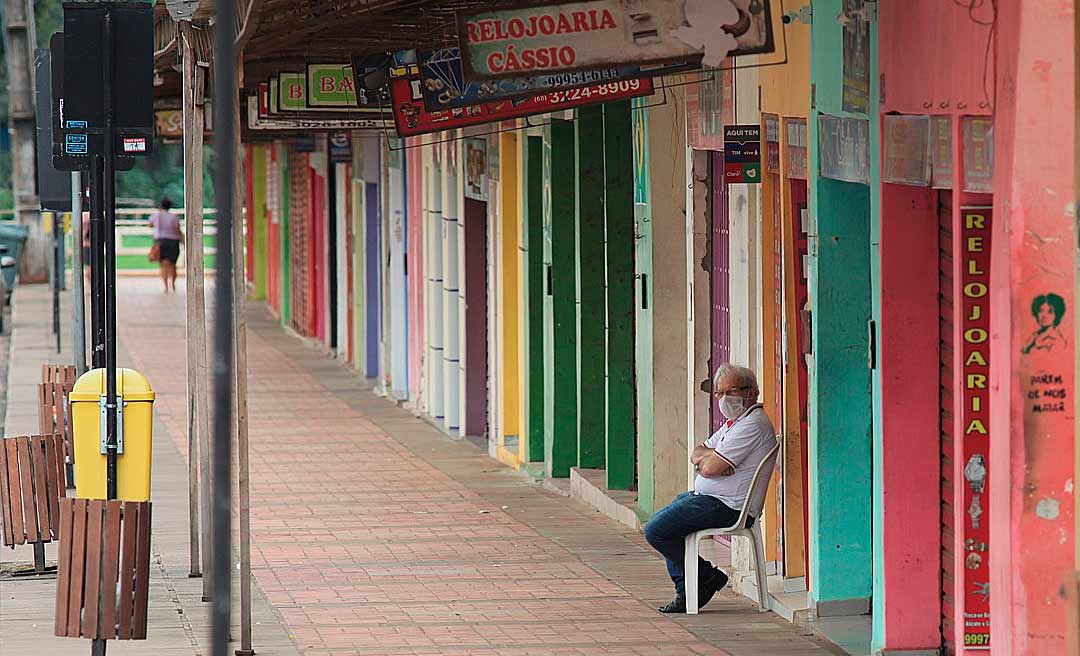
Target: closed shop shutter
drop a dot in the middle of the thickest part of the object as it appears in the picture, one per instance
(298, 235)
(945, 304)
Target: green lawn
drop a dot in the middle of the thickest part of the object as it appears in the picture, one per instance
(139, 262)
(146, 241)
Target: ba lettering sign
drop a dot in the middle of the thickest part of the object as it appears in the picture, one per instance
(590, 35)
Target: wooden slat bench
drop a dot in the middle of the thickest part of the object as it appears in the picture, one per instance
(54, 409)
(31, 475)
(104, 551)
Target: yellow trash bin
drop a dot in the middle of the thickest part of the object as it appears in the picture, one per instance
(88, 425)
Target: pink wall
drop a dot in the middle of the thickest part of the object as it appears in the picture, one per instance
(415, 261)
(1033, 530)
(933, 55)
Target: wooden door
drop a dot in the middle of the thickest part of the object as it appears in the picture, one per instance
(476, 318)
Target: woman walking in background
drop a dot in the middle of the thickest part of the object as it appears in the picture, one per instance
(167, 240)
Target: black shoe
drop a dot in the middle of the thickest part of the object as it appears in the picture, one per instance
(676, 605)
(710, 587)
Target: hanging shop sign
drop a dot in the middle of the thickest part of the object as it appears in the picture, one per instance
(340, 147)
(588, 35)
(412, 118)
(331, 85)
(264, 100)
(907, 150)
(444, 85)
(742, 153)
(975, 374)
(357, 121)
(324, 88)
(844, 146)
(170, 122)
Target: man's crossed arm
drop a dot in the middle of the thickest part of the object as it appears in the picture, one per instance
(709, 463)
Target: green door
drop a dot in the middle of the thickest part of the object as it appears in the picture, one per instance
(560, 303)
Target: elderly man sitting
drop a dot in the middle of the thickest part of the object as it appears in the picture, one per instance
(725, 464)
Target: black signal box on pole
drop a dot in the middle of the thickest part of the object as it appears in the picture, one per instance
(83, 99)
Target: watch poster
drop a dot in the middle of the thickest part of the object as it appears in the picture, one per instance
(975, 374)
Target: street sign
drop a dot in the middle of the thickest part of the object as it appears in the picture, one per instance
(576, 36)
(61, 160)
(444, 85)
(85, 98)
(411, 118)
(54, 185)
(742, 154)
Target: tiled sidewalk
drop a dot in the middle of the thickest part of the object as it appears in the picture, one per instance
(178, 618)
(373, 533)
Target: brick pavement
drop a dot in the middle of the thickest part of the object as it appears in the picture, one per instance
(178, 618)
(373, 533)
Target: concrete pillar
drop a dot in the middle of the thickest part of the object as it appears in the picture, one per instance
(451, 277)
(840, 444)
(668, 297)
(1030, 479)
(434, 235)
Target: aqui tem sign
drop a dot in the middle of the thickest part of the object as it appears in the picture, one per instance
(583, 35)
(742, 154)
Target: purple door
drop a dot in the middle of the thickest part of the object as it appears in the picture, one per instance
(719, 280)
(476, 318)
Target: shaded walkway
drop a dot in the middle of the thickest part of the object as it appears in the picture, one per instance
(373, 533)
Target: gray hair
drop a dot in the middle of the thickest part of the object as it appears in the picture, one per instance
(744, 377)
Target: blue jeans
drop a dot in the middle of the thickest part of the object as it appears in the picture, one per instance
(666, 531)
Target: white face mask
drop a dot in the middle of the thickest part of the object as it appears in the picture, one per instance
(732, 406)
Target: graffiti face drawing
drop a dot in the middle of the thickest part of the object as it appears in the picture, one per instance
(1048, 311)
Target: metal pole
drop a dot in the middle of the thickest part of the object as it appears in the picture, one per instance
(110, 265)
(79, 325)
(109, 271)
(226, 119)
(58, 273)
(97, 293)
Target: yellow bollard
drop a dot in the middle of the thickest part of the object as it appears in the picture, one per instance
(133, 464)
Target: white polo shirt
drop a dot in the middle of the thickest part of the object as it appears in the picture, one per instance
(742, 443)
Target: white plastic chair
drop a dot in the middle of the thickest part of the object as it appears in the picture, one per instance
(755, 501)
